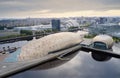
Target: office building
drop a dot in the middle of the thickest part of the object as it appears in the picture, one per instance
(56, 24)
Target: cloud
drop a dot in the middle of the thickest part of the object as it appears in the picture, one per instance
(50, 14)
(8, 7)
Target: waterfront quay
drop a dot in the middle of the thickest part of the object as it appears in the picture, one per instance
(28, 38)
(10, 49)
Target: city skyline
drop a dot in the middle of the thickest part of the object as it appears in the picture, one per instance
(62, 8)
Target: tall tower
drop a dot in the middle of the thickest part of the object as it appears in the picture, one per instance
(55, 24)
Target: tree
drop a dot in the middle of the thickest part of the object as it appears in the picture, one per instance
(26, 32)
(2, 27)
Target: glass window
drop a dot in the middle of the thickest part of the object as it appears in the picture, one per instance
(100, 45)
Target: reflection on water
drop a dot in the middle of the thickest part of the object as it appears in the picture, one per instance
(56, 62)
(82, 66)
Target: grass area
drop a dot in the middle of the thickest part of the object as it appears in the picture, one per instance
(7, 33)
(12, 36)
(90, 36)
(116, 39)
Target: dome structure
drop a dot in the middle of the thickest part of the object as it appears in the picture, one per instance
(41, 47)
(105, 39)
(71, 23)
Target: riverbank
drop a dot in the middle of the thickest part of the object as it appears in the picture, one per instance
(4, 33)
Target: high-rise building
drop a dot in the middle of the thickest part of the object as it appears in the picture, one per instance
(102, 20)
(55, 24)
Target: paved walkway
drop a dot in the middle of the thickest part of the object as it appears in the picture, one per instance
(3, 56)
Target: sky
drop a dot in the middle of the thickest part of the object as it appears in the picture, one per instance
(58, 8)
